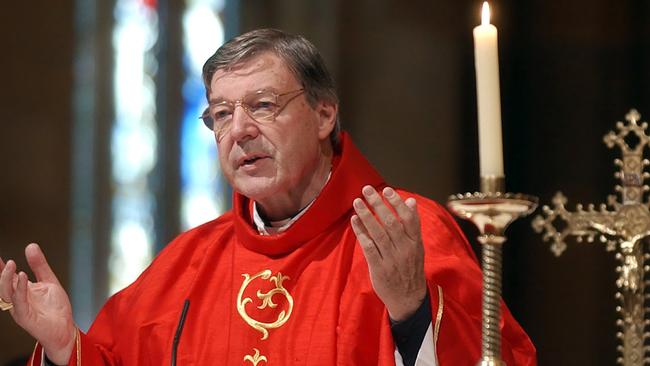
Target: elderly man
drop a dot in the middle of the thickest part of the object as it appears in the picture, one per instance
(318, 263)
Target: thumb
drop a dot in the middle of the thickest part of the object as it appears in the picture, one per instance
(38, 264)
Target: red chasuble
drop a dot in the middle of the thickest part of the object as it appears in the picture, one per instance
(302, 297)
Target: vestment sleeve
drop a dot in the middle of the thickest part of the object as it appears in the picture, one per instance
(85, 353)
(426, 354)
(409, 334)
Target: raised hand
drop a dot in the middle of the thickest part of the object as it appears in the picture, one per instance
(42, 308)
(391, 242)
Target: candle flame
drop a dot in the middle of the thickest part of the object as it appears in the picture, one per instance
(485, 14)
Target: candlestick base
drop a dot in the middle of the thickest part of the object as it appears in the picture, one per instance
(491, 212)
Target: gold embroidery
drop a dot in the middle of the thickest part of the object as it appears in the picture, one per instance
(256, 358)
(267, 300)
(78, 343)
(34, 355)
(438, 316)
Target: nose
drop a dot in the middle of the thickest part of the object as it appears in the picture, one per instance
(242, 127)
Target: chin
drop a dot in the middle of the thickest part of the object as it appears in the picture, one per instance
(256, 188)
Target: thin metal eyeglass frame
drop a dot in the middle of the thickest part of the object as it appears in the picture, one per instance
(209, 123)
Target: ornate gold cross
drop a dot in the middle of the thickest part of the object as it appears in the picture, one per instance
(622, 226)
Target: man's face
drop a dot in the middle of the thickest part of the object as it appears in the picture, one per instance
(273, 158)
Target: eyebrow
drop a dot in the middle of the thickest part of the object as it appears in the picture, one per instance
(213, 101)
(217, 100)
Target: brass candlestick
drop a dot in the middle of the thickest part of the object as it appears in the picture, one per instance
(491, 211)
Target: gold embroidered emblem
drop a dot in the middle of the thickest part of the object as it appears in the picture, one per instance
(256, 358)
(267, 300)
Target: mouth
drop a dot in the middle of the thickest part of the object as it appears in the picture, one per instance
(250, 159)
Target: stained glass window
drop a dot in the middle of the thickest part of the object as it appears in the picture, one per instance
(133, 140)
(136, 204)
(202, 187)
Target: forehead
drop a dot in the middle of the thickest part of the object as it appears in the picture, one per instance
(266, 71)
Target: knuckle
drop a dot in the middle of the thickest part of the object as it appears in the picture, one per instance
(390, 221)
(374, 201)
(367, 244)
(408, 216)
(381, 236)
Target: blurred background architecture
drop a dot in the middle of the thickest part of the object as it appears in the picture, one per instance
(103, 159)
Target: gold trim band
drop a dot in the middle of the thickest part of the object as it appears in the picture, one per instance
(436, 329)
(78, 344)
(31, 362)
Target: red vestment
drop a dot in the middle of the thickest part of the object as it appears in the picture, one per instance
(301, 297)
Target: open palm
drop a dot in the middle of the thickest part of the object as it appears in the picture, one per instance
(42, 308)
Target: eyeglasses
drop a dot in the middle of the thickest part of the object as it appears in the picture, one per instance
(263, 106)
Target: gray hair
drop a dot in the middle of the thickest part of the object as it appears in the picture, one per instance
(301, 57)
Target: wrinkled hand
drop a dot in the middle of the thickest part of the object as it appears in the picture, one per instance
(392, 245)
(42, 308)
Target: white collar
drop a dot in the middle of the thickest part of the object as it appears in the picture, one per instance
(262, 229)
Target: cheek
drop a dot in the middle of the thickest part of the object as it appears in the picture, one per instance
(301, 155)
(223, 153)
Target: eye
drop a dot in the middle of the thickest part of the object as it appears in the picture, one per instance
(221, 113)
(263, 104)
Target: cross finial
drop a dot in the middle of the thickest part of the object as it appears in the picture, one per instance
(622, 228)
(633, 116)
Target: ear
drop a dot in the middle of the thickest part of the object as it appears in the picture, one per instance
(327, 113)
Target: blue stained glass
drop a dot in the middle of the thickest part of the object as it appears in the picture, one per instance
(203, 188)
(133, 140)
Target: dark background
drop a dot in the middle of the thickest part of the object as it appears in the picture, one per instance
(405, 75)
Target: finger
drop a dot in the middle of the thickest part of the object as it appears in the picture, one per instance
(38, 264)
(19, 297)
(386, 216)
(14, 282)
(6, 280)
(407, 214)
(370, 250)
(14, 279)
(375, 230)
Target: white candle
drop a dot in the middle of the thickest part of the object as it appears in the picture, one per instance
(489, 100)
